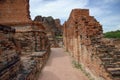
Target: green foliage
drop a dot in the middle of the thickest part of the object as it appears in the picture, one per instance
(79, 66)
(59, 36)
(76, 65)
(112, 34)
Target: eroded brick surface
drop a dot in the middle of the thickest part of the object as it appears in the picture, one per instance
(12, 11)
(84, 40)
(53, 28)
(9, 54)
(24, 46)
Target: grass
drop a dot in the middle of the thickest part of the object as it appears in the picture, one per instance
(112, 34)
(59, 36)
(79, 66)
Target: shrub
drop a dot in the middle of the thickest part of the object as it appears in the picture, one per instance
(112, 34)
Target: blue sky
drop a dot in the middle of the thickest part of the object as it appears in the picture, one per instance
(107, 12)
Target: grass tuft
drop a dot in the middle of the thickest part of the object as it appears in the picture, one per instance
(79, 66)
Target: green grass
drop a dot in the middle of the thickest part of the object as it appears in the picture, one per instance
(112, 34)
(79, 66)
(76, 65)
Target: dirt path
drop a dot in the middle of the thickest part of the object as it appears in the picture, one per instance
(59, 67)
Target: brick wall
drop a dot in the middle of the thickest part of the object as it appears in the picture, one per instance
(12, 11)
(20, 39)
(83, 39)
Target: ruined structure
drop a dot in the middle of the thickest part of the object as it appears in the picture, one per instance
(9, 54)
(52, 28)
(59, 31)
(24, 46)
(83, 38)
(112, 41)
(12, 11)
(13, 65)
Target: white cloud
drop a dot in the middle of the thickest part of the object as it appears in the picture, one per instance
(111, 28)
(62, 8)
(110, 21)
(58, 8)
(105, 15)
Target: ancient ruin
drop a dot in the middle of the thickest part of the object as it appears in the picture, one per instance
(83, 38)
(53, 28)
(12, 11)
(24, 46)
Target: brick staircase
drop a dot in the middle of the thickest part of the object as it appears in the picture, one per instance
(110, 57)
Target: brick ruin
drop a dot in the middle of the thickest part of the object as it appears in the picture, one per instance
(9, 54)
(18, 62)
(112, 41)
(83, 38)
(59, 32)
(12, 11)
(24, 46)
(53, 29)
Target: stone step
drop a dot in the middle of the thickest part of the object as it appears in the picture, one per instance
(111, 65)
(115, 72)
(107, 59)
(105, 55)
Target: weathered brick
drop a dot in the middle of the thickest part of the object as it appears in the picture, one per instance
(83, 38)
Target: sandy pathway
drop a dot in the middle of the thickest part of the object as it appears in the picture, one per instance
(59, 67)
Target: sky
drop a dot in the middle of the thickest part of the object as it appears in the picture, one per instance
(107, 12)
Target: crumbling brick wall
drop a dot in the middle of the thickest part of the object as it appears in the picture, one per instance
(112, 41)
(31, 37)
(16, 53)
(53, 29)
(9, 54)
(12, 11)
(83, 39)
(20, 48)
